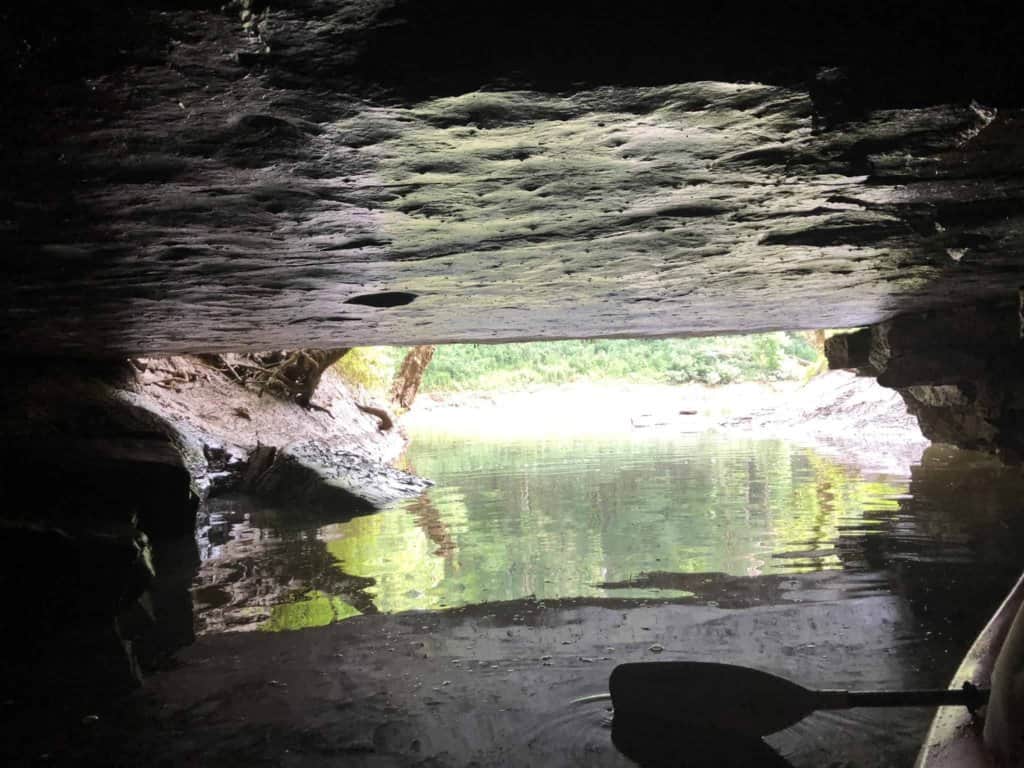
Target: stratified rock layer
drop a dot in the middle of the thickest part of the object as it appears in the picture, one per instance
(959, 371)
(332, 484)
(378, 172)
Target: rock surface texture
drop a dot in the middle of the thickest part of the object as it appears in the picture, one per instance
(337, 173)
(959, 372)
(105, 467)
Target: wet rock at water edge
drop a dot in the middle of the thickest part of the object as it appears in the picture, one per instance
(327, 483)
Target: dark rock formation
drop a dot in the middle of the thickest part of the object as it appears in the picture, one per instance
(73, 595)
(109, 463)
(332, 173)
(84, 451)
(330, 483)
(958, 370)
(95, 487)
(849, 350)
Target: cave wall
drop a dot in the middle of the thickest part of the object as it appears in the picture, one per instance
(105, 466)
(96, 490)
(959, 372)
(183, 178)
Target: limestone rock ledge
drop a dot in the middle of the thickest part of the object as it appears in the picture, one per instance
(336, 173)
(234, 438)
(958, 370)
(328, 482)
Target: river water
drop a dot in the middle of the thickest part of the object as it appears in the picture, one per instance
(709, 547)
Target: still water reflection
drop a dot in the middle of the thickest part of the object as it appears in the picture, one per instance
(704, 518)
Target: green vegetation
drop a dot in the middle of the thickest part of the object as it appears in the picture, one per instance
(371, 368)
(713, 360)
(710, 360)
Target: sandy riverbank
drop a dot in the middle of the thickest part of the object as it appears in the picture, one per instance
(841, 414)
(590, 408)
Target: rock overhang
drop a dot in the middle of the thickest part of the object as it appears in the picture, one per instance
(350, 174)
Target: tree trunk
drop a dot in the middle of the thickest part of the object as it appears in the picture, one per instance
(316, 362)
(407, 382)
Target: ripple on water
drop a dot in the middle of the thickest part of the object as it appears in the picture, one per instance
(578, 735)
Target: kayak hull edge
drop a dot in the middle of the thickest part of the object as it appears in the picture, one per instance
(954, 739)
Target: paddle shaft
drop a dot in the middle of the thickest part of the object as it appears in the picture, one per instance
(972, 697)
(954, 697)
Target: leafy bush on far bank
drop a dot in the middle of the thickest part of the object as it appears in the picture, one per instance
(371, 368)
(711, 360)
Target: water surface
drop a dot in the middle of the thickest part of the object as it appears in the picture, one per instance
(702, 518)
(531, 568)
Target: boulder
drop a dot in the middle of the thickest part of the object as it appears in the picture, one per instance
(316, 480)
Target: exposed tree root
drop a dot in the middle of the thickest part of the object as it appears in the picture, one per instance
(386, 422)
(287, 374)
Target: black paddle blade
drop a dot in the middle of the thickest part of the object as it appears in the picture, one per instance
(720, 697)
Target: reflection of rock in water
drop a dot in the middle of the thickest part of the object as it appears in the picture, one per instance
(248, 570)
(429, 519)
(170, 598)
(950, 543)
(726, 591)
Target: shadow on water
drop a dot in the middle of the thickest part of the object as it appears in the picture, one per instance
(654, 743)
(260, 569)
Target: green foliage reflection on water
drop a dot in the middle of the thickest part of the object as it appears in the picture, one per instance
(315, 610)
(508, 520)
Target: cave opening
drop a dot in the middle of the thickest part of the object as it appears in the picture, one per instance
(208, 208)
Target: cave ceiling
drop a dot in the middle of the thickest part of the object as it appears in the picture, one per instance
(186, 177)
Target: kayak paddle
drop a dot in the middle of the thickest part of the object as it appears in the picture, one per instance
(726, 697)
